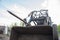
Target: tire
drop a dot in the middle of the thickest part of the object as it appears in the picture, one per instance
(55, 33)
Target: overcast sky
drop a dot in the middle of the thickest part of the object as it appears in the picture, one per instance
(23, 7)
(54, 10)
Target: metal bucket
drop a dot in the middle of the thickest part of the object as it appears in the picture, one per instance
(32, 33)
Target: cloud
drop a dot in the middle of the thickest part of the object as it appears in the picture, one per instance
(54, 10)
(36, 4)
(44, 5)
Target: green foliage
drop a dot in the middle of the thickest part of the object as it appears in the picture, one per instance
(58, 28)
(22, 24)
(13, 24)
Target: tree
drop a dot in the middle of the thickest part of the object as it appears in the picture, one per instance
(22, 24)
(58, 28)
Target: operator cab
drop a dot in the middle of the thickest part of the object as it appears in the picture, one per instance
(39, 17)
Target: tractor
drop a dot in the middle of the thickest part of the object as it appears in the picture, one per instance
(42, 28)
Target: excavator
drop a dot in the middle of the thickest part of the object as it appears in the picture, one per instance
(42, 28)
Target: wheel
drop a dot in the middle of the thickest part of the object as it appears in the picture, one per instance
(55, 33)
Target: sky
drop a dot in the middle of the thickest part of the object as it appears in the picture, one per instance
(54, 10)
(23, 7)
